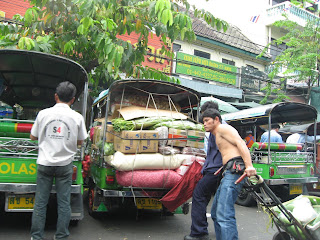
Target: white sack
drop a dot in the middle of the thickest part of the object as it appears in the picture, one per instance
(147, 161)
(303, 210)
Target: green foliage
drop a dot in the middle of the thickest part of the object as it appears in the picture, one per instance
(300, 60)
(87, 31)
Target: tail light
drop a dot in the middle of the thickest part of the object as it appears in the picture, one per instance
(311, 171)
(74, 173)
(271, 171)
(109, 180)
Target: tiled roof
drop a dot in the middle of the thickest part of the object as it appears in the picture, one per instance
(232, 37)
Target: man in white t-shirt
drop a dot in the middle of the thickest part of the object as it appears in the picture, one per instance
(59, 130)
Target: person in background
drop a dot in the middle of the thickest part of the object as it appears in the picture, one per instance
(275, 137)
(249, 139)
(301, 138)
(207, 185)
(59, 130)
(236, 160)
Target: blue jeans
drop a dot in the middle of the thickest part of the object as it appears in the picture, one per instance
(223, 212)
(63, 181)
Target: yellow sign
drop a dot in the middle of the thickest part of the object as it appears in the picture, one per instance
(2, 14)
(295, 189)
(148, 203)
(16, 202)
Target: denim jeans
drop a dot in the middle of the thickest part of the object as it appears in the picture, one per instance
(63, 181)
(223, 212)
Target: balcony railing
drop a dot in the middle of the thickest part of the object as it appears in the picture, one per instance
(294, 13)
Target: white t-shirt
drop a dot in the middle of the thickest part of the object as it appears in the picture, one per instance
(58, 128)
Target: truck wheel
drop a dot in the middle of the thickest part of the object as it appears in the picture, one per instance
(73, 223)
(91, 196)
(281, 236)
(245, 199)
(185, 208)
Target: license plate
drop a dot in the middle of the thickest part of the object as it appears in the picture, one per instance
(295, 189)
(148, 203)
(20, 203)
(289, 170)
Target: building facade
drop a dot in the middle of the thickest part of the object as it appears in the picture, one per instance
(219, 64)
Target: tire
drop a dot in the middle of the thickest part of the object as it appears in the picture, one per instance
(91, 195)
(245, 199)
(73, 223)
(281, 236)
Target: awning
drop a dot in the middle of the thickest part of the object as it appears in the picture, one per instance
(224, 107)
(245, 105)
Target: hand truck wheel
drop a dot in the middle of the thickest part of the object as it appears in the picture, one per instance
(281, 236)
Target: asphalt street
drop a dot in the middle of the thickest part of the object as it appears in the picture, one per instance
(253, 224)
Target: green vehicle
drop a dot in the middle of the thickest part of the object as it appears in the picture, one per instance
(286, 168)
(105, 192)
(28, 81)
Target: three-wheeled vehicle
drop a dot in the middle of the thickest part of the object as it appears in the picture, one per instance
(106, 191)
(285, 168)
(27, 83)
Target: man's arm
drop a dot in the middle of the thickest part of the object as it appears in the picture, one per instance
(33, 138)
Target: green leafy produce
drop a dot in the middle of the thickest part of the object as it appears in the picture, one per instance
(119, 124)
(108, 149)
(180, 124)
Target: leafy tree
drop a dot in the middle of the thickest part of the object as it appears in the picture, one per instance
(87, 31)
(300, 60)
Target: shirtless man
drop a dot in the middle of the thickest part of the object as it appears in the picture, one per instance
(234, 152)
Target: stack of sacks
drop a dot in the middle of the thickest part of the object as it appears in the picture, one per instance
(152, 170)
(141, 159)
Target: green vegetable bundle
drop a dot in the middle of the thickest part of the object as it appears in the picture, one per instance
(180, 124)
(108, 149)
(119, 124)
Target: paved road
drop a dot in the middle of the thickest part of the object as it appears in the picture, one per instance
(253, 224)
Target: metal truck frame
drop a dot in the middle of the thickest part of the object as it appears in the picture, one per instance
(286, 168)
(28, 81)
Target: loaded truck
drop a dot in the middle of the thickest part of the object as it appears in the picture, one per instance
(143, 138)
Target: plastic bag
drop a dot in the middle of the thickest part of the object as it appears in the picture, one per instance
(303, 210)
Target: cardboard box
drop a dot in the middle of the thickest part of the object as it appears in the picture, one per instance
(97, 136)
(149, 146)
(109, 133)
(126, 143)
(195, 143)
(177, 133)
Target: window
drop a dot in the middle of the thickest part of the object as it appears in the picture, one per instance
(176, 47)
(226, 61)
(276, 49)
(201, 54)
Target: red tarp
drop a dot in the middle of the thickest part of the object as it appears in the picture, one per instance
(184, 188)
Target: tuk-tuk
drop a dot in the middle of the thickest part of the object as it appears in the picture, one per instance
(28, 81)
(106, 190)
(286, 168)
